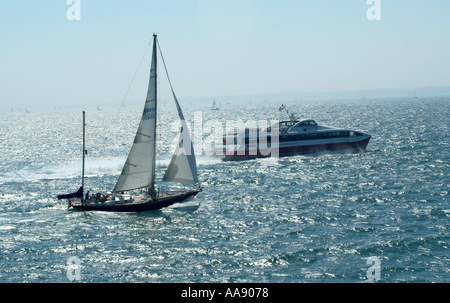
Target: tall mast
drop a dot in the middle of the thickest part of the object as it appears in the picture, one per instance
(84, 152)
(152, 187)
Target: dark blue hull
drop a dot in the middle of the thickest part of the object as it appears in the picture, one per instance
(139, 207)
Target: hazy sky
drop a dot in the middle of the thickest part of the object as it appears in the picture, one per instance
(217, 48)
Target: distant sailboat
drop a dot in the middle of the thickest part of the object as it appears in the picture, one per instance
(214, 106)
(139, 169)
(98, 108)
(414, 96)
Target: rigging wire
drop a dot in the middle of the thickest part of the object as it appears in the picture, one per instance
(132, 81)
(173, 93)
(165, 67)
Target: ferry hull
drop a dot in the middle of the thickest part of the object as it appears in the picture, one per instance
(344, 147)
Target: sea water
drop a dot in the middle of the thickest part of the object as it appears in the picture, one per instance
(382, 215)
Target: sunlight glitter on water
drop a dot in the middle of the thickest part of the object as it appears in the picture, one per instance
(303, 218)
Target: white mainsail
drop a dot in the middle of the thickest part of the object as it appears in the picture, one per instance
(139, 169)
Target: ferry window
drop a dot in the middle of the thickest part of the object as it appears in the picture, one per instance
(287, 123)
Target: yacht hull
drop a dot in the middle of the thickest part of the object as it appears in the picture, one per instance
(162, 201)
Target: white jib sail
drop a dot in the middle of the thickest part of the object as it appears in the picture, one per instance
(182, 167)
(139, 169)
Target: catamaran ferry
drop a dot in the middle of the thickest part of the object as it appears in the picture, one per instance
(294, 137)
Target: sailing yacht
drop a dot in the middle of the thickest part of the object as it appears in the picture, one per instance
(138, 172)
(214, 106)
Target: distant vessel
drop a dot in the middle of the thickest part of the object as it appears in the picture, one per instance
(98, 108)
(139, 169)
(414, 96)
(295, 137)
(214, 106)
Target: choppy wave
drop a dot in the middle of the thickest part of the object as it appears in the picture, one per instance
(298, 219)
